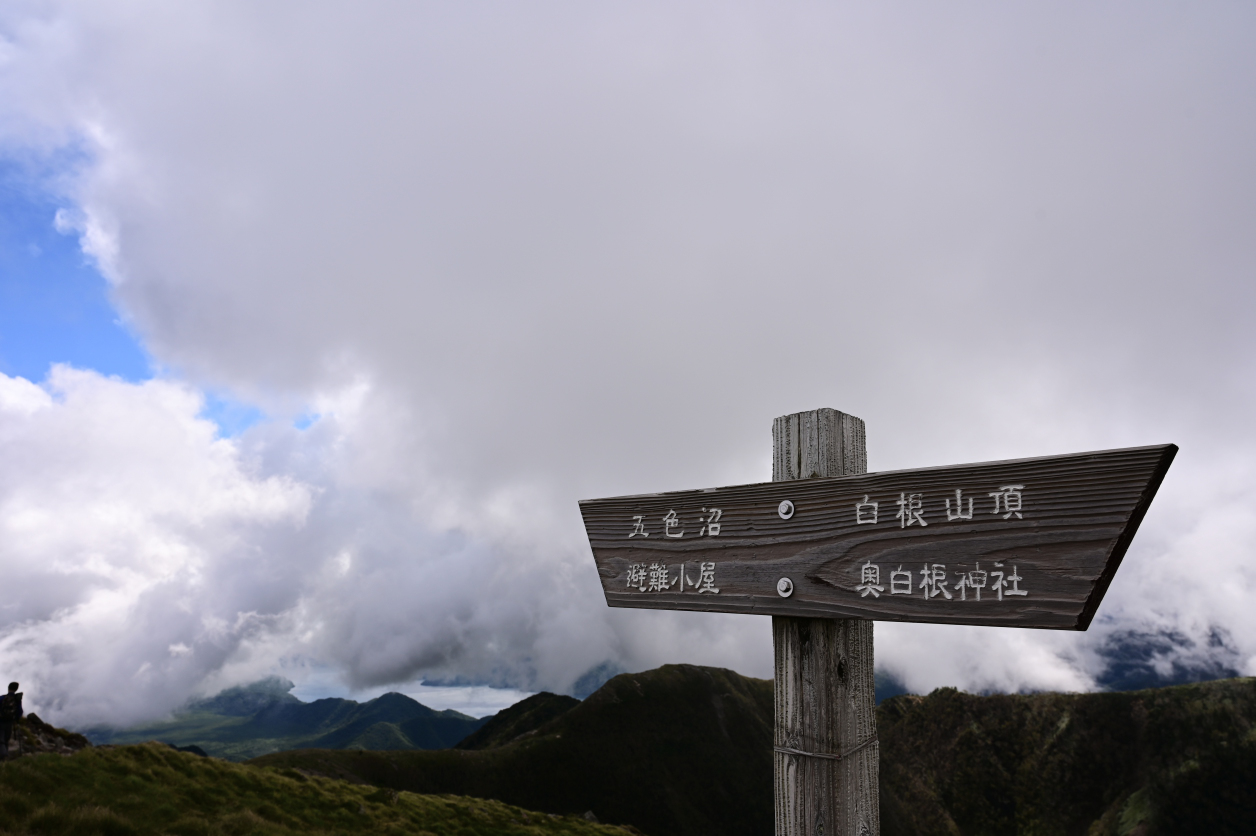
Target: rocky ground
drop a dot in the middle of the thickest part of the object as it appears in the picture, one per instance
(35, 736)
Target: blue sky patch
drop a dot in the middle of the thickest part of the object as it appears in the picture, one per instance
(232, 417)
(306, 420)
(54, 303)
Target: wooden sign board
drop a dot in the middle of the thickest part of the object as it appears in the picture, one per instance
(1025, 543)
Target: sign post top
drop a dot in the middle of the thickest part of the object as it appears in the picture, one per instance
(1025, 543)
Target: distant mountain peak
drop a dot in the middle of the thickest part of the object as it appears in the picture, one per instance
(522, 718)
(247, 720)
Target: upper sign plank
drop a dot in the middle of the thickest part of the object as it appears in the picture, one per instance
(1026, 543)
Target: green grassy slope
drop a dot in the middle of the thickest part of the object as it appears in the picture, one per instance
(152, 789)
(680, 749)
(687, 750)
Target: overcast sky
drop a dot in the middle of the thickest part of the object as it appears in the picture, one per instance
(319, 318)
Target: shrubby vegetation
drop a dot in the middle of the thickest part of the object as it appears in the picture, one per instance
(1159, 762)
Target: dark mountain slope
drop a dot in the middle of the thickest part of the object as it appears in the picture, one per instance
(1169, 760)
(440, 729)
(680, 749)
(687, 750)
(524, 717)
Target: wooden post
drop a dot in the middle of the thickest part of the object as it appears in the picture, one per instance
(825, 744)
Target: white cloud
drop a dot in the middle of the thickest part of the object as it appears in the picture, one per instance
(21, 397)
(122, 518)
(516, 256)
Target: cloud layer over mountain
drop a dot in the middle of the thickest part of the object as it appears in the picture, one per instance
(479, 261)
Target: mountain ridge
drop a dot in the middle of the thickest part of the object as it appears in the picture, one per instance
(251, 720)
(680, 749)
(688, 750)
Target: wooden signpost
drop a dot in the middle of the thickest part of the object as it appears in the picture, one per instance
(826, 549)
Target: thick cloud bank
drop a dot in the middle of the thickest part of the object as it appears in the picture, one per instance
(153, 559)
(512, 256)
(130, 539)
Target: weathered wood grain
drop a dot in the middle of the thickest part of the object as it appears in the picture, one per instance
(826, 753)
(1060, 547)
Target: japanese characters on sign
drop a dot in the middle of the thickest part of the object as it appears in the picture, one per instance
(657, 577)
(1008, 502)
(710, 519)
(935, 579)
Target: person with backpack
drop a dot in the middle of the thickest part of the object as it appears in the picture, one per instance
(10, 715)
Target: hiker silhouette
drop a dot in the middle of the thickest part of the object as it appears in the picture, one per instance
(10, 716)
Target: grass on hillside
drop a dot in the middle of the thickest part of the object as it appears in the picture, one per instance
(153, 789)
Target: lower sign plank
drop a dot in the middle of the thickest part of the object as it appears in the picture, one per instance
(1026, 543)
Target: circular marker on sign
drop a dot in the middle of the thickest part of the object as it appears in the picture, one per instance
(784, 587)
(785, 509)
